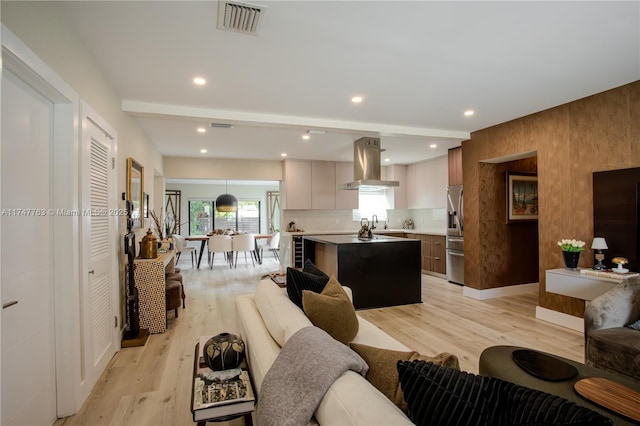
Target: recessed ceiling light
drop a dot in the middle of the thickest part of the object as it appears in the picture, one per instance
(284, 154)
(306, 137)
(356, 99)
(199, 81)
(201, 130)
(433, 145)
(387, 160)
(469, 113)
(204, 151)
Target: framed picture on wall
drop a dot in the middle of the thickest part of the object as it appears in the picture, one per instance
(146, 205)
(522, 196)
(135, 191)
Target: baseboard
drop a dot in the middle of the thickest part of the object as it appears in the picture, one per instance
(492, 293)
(560, 318)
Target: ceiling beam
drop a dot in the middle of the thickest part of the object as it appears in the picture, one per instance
(149, 109)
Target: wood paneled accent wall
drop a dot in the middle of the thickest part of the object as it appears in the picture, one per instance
(510, 252)
(600, 132)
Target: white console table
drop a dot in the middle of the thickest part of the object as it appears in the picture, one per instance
(150, 282)
(574, 284)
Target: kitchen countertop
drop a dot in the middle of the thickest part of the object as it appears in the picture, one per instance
(376, 231)
(353, 239)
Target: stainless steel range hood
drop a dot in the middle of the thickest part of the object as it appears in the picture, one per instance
(366, 167)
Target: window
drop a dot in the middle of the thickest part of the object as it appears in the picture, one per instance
(370, 203)
(200, 216)
(203, 217)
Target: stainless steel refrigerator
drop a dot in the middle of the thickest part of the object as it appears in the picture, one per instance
(455, 234)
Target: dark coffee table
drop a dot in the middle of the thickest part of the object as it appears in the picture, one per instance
(497, 361)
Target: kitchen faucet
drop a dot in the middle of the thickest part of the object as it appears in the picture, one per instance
(374, 220)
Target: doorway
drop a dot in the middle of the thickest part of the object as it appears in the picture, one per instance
(28, 351)
(40, 242)
(512, 246)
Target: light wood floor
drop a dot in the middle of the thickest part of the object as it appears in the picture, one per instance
(151, 385)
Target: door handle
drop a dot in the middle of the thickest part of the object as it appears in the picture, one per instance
(92, 272)
(9, 304)
(455, 254)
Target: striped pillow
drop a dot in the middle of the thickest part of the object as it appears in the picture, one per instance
(439, 395)
(299, 280)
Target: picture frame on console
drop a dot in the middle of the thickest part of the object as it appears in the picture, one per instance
(135, 191)
(522, 197)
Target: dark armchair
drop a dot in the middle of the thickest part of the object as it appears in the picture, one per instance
(609, 343)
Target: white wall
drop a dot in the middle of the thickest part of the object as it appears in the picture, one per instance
(41, 26)
(213, 168)
(197, 191)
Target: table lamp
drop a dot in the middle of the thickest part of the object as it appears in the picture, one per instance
(599, 244)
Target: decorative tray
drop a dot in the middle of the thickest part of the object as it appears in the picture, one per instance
(543, 366)
(611, 395)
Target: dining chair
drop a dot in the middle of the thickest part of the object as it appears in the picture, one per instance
(182, 247)
(274, 245)
(245, 243)
(220, 244)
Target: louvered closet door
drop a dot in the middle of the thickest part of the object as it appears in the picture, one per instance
(98, 297)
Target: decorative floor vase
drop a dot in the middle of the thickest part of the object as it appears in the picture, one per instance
(224, 351)
(571, 259)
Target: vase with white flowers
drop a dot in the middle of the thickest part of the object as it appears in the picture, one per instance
(571, 249)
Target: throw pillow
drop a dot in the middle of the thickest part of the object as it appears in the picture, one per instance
(310, 268)
(383, 370)
(332, 311)
(439, 395)
(297, 281)
(635, 325)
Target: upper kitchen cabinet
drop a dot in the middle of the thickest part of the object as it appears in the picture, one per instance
(323, 185)
(427, 184)
(397, 195)
(345, 199)
(455, 166)
(312, 185)
(411, 186)
(297, 184)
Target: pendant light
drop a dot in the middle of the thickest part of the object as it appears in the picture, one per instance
(226, 202)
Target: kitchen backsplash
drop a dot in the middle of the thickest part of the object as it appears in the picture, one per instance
(341, 220)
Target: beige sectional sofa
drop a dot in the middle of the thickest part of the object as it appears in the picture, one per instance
(268, 318)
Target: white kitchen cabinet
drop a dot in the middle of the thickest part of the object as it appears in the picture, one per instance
(297, 184)
(397, 195)
(345, 199)
(437, 177)
(411, 186)
(422, 184)
(323, 185)
(427, 184)
(313, 185)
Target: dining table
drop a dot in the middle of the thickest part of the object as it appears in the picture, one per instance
(205, 238)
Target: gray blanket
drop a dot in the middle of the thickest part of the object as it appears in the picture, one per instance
(308, 364)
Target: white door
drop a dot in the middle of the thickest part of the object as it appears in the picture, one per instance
(28, 357)
(99, 340)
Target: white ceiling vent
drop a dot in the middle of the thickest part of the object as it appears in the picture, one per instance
(240, 17)
(220, 126)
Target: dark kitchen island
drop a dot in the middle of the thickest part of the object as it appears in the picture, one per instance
(383, 271)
